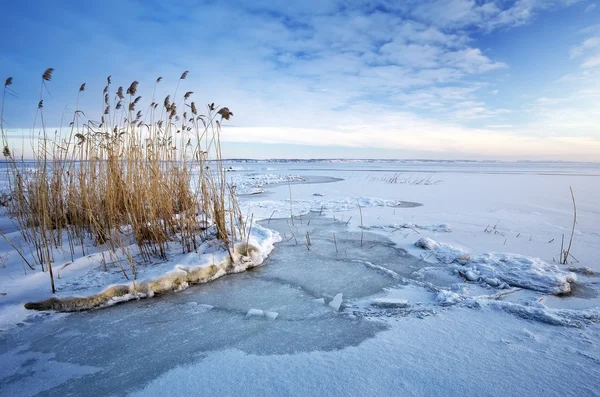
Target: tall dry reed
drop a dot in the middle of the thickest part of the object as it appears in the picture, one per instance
(151, 178)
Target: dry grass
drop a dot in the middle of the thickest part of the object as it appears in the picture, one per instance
(565, 253)
(400, 179)
(149, 178)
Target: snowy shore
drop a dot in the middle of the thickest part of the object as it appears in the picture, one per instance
(478, 306)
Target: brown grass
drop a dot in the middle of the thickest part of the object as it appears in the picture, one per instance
(152, 179)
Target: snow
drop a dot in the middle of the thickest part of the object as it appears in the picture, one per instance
(476, 307)
(494, 268)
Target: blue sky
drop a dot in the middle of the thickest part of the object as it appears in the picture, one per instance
(429, 79)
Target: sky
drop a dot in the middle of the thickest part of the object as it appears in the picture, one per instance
(435, 79)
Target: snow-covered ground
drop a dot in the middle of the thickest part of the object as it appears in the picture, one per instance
(392, 278)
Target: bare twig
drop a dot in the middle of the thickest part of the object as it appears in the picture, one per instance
(568, 250)
(335, 243)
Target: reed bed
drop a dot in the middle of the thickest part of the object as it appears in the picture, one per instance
(148, 176)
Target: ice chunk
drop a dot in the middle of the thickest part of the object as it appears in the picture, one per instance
(255, 313)
(426, 243)
(443, 252)
(448, 298)
(471, 275)
(336, 302)
(494, 282)
(271, 315)
(390, 303)
(319, 300)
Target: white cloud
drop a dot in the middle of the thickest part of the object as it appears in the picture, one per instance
(588, 45)
(486, 15)
(312, 74)
(590, 7)
(591, 62)
(472, 60)
(589, 50)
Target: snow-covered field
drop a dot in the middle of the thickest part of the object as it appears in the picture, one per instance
(392, 278)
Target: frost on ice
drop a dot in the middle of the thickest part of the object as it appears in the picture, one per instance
(503, 269)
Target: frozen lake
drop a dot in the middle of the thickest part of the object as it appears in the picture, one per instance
(406, 322)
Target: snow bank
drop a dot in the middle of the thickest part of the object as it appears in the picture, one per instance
(503, 269)
(245, 256)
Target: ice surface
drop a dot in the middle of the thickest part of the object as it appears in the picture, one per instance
(179, 328)
(24, 372)
(420, 357)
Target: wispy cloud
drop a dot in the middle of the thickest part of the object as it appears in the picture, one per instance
(421, 75)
